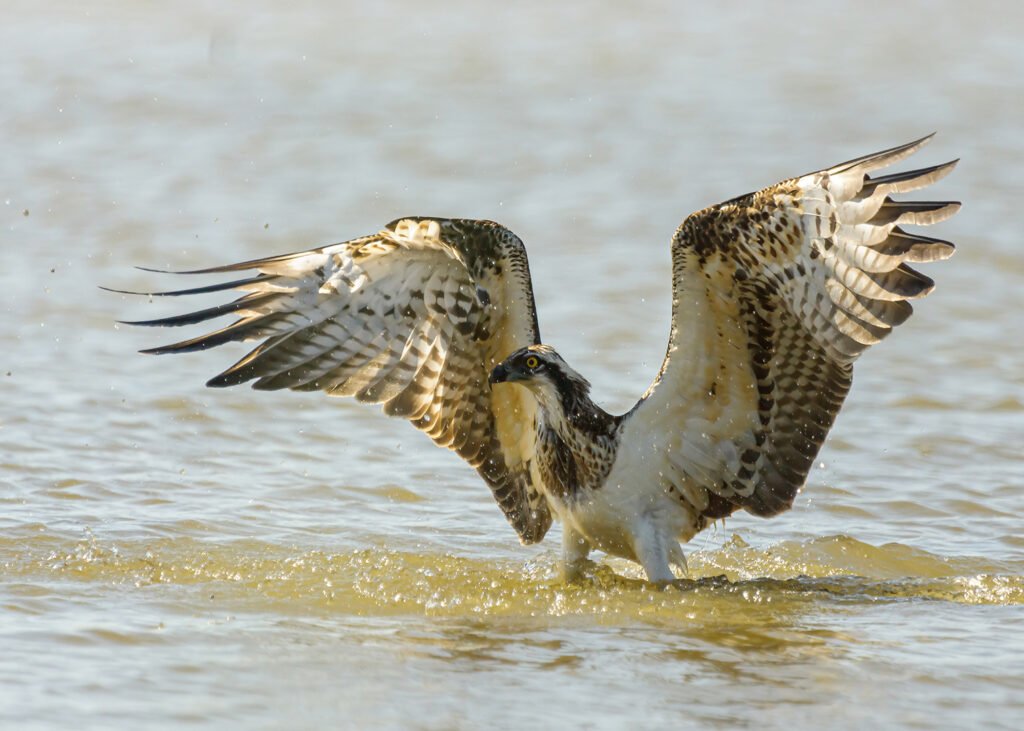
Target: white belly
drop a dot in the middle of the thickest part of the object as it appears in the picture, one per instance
(633, 505)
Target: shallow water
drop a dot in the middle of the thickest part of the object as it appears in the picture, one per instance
(175, 556)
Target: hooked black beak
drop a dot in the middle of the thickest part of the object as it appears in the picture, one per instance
(498, 375)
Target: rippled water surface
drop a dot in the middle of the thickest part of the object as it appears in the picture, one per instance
(172, 556)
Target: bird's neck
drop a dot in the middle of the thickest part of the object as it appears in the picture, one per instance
(567, 409)
(576, 440)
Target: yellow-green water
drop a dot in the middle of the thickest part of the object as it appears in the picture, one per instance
(172, 556)
(381, 581)
(178, 630)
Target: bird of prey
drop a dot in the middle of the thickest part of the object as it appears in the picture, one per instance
(774, 295)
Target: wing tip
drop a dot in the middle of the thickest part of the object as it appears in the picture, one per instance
(240, 284)
(220, 381)
(873, 161)
(120, 291)
(208, 270)
(918, 143)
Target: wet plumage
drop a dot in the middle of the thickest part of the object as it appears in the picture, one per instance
(775, 295)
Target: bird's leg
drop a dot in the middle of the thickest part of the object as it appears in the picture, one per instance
(575, 549)
(678, 559)
(656, 556)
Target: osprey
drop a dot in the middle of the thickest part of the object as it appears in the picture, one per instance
(774, 295)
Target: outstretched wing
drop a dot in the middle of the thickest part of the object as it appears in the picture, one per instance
(775, 294)
(414, 318)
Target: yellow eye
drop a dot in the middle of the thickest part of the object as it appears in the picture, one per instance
(532, 362)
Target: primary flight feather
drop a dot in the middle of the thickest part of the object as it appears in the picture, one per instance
(774, 296)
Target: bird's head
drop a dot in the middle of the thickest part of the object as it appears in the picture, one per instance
(542, 370)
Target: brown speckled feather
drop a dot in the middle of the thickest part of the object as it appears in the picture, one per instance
(775, 294)
(413, 318)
